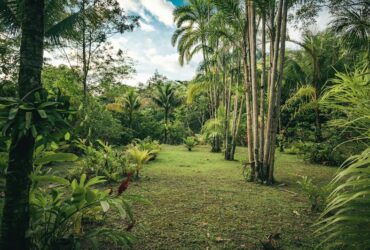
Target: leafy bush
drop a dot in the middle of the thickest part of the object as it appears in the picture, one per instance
(152, 146)
(103, 161)
(295, 148)
(190, 143)
(96, 122)
(317, 195)
(58, 213)
(325, 152)
(200, 139)
(176, 132)
(138, 157)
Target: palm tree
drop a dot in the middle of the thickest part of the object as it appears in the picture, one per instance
(318, 48)
(15, 219)
(166, 99)
(191, 33)
(131, 103)
(353, 24)
(139, 158)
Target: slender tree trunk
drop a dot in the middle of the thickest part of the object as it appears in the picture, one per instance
(226, 101)
(237, 128)
(248, 110)
(316, 79)
(272, 97)
(84, 59)
(166, 126)
(15, 218)
(262, 91)
(276, 114)
(253, 73)
(234, 122)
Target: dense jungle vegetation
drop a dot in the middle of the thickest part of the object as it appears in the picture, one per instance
(266, 147)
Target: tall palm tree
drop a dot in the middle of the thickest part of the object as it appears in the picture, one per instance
(15, 222)
(318, 48)
(166, 99)
(353, 24)
(131, 103)
(191, 33)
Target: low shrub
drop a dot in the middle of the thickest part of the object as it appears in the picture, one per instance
(190, 143)
(102, 160)
(317, 195)
(138, 157)
(323, 153)
(58, 213)
(152, 146)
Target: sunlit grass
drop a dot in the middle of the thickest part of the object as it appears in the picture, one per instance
(199, 201)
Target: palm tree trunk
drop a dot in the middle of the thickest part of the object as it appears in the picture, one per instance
(15, 218)
(248, 109)
(237, 129)
(262, 91)
(234, 122)
(276, 115)
(166, 125)
(316, 79)
(84, 59)
(226, 103)
(272, 97)
(253, 73)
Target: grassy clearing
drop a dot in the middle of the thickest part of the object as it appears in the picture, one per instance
(200, 201)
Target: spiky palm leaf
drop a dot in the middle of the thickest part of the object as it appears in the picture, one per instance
(346, 219)
(58, 22)
(305, 96)
(350, 96)
(165, 97)
(354, 26)
(131, 101)
(191, 33)
(215, 127)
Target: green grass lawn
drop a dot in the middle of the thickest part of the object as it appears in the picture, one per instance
(200, 201)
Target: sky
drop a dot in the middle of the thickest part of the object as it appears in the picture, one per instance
(150, 45)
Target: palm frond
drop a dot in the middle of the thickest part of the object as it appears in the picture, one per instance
(9, 14)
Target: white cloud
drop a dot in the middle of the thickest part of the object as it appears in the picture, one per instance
(136, 7)
(160, 9)
(146, 27)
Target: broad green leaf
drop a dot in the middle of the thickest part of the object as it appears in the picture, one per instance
(95, 180)
(12, 113)
(90, 196)
(82, 180)
(67, 136)
(48, 104)
(56, 157)
(26, 107)
(34, 131)
(105, 206)
(54, 146)
(42, 113)
(50, 178)
(28, 117)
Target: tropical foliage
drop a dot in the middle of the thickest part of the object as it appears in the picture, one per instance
(74, 135)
